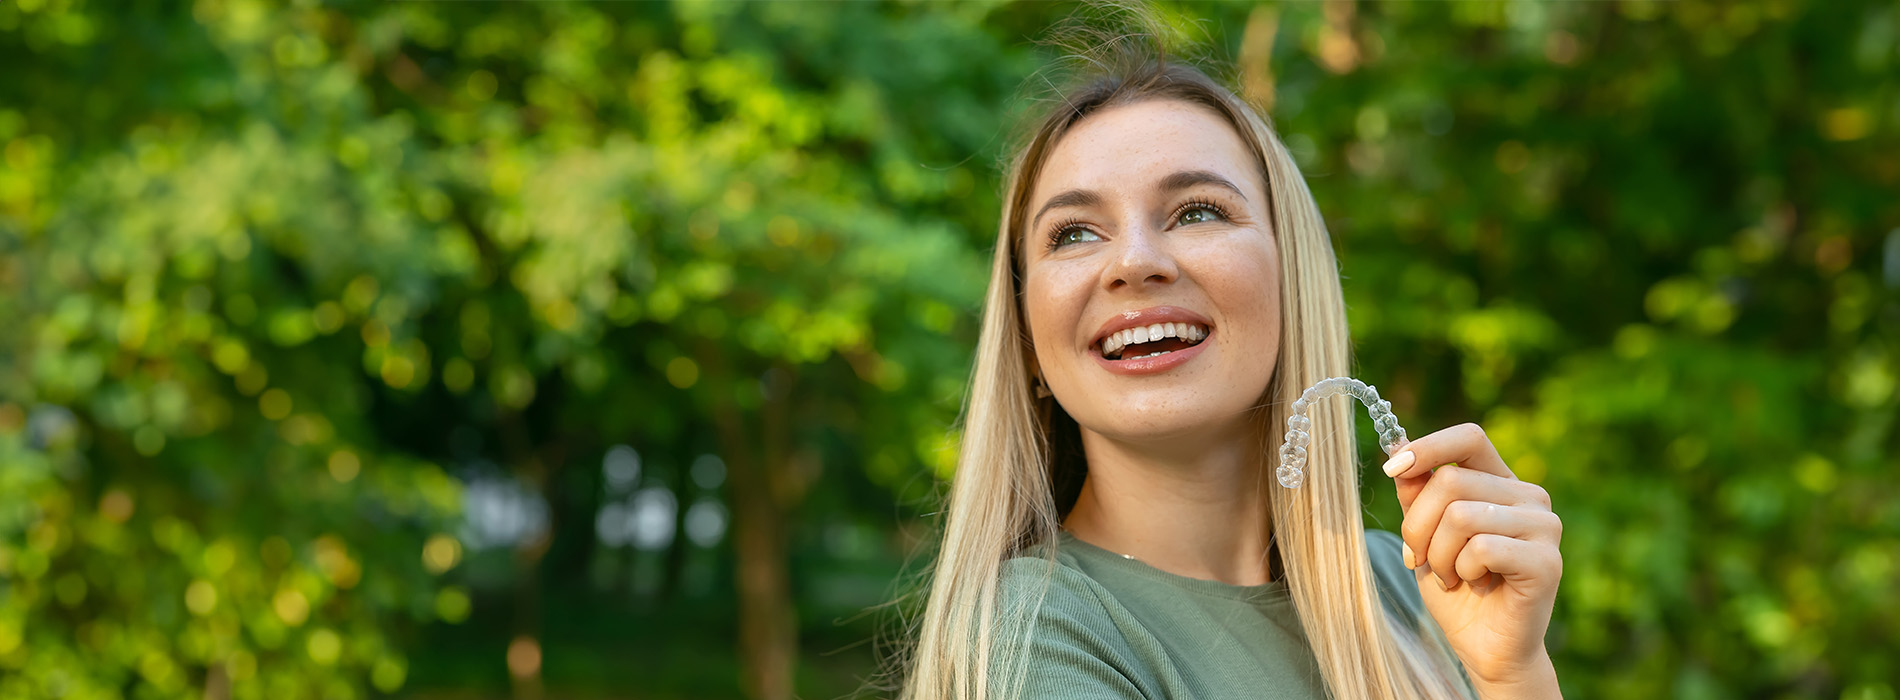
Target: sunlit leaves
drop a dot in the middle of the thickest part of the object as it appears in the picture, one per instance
(1650, 246)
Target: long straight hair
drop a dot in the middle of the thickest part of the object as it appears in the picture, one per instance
(1021, 460)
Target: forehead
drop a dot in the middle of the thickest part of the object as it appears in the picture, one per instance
(1130, 148)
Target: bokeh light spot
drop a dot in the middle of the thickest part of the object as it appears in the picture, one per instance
(116, 506)
(324, 647)
(621, 469)
(148, 440)
(481, 85)
(682, 372)
(201, 597)
(524, 657)
(333, 558)
(291, 606)
(274, 404)
(388, 674)
(398, 371)
(441, 553)
(458, 375)
(452, 604)
(344, 465)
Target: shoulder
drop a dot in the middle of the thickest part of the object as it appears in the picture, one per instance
(1383, 547)
(1059, 633)
(1053, 595)
(1397, 585)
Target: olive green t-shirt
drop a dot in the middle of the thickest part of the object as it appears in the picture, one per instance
(1113, 627)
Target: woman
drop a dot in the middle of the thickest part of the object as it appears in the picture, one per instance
(1163, 288)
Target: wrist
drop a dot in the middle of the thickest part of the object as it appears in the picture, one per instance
(1536, 678)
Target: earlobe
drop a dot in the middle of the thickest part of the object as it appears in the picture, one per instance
(1036, 384)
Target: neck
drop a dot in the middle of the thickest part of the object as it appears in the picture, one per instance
(1192, 506)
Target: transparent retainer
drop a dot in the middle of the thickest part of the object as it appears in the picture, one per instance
(1298, 426)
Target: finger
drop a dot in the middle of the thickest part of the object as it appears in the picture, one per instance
(1465, 521)
(1529, 565)
(1465, 445)
(1436, 490)
(1409, 487)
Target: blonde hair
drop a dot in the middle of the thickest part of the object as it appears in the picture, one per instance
(1020, 457)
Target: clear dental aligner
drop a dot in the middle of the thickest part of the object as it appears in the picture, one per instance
(1293, 451)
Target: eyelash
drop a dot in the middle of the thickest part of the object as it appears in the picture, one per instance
(1055, 234)
(1198, 202)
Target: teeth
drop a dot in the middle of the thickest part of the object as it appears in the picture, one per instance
(1145, 334)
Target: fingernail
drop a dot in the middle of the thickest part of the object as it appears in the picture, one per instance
(1410, 563)
(1399, 462)
(1442, 583)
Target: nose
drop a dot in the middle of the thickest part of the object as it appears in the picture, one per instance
(1141, 260)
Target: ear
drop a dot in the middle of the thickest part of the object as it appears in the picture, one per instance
(1039, 385)
(1030, 364)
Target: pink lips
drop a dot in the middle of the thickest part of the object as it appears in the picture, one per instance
(1147, 317)
(1151, 365)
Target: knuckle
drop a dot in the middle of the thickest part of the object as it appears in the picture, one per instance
(1451, 479)
(1462, 515)
(1413, 529)
(1541, 495)
(1481, 547)
(1548, 559)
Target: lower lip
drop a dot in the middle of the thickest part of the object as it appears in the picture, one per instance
(1153, 365)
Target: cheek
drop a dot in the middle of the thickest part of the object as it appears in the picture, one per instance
(1244, 285)
(1053, 299)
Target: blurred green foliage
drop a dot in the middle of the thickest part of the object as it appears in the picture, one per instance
(446, 350)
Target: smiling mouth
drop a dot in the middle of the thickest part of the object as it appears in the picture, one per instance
(1152, 340)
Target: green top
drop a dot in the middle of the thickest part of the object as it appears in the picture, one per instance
(1114, 627)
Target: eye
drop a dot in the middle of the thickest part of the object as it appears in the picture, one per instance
(1070, 232)
(1199, 212)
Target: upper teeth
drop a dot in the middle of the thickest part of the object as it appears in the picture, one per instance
(1144, 334)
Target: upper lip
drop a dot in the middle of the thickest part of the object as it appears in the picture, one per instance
(1148, 317)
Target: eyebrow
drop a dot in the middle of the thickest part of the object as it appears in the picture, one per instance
(1172, 183)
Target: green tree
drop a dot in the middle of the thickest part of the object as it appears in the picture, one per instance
(355, 231)
(283, 285)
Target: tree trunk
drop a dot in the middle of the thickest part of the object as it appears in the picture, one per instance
(768, 641)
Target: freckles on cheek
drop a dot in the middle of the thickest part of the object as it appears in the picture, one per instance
(1245, 289)
(1037, 307)
(1053, 300)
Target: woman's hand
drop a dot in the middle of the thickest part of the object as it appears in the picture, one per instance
(1483, 546)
